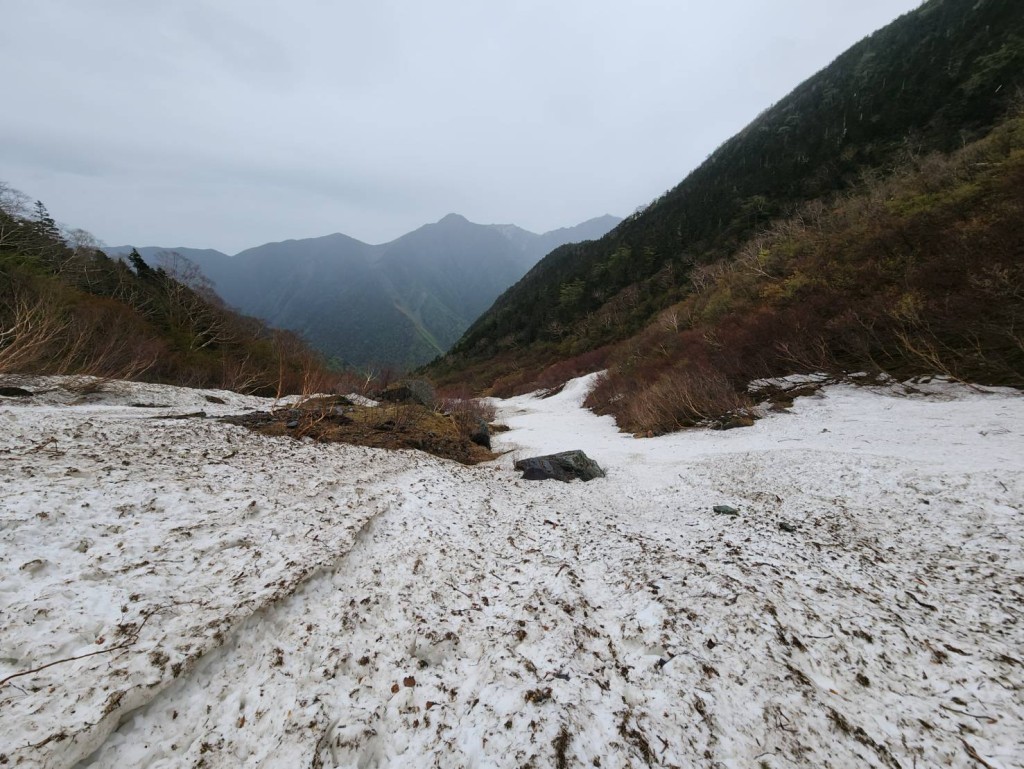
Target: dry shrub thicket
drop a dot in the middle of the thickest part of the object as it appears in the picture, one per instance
(920, 272)
(449, 427)
(42, 333)
(68, 309)
(526, 380)
(466, 411)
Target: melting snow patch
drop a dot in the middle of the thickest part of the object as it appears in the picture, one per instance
(184, 592)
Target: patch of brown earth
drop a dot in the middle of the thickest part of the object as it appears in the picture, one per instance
(388, 426)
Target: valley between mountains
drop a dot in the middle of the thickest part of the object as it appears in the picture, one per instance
(188, 593)
(199, 569)
(399, 304)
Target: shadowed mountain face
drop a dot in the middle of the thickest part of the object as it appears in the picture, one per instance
(398, 304)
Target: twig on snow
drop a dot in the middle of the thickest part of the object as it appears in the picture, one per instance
(42, 445)
(965, 713)
(452, 586)
(974, 754)
(192, 415)
(131, 640)
(919, 602)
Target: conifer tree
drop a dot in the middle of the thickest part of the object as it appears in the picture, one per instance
(142, 269)
(43, 223)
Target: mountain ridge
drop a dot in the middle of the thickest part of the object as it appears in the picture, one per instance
(934, 80)
(396, 304)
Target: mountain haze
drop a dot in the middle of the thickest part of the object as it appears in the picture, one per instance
(397, 304)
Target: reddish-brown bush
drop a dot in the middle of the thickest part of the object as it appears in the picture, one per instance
(918, 273)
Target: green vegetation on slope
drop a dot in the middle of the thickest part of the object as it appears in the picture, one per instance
(918, 273)
(71, 309)
(932, 81)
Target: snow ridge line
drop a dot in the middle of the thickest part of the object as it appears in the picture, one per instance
(194, 523)
(140, 697)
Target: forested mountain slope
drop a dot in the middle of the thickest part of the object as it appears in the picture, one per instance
(934, 80)
(71, 309)
(920, 273)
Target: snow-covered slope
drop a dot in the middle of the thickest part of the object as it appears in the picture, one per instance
(248, 601)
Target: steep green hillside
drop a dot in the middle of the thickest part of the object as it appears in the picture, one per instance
(933, 80)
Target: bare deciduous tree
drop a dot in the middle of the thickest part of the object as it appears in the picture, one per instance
(14, 210)
(187, 273)
(29, 324)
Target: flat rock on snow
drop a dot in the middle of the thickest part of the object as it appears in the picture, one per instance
(247, 601)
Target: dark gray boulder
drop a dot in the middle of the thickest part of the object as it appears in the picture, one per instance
(563, 466)
(15, 392)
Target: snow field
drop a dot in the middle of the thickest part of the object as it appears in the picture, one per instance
(437, 615)
(134, 544)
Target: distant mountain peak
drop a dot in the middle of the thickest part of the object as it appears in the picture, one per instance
(398, 303)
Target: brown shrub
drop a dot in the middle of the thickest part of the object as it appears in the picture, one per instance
(32, 325)
(561, 372)
(468, 414)
(679, 397)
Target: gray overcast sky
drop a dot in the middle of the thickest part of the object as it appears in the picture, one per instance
(230, 123)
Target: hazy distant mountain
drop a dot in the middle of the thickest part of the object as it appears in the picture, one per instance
(592, 229)
(399, 304)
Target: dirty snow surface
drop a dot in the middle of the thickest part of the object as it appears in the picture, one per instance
(184, 593)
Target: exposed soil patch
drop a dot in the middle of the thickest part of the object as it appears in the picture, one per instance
(389, 426)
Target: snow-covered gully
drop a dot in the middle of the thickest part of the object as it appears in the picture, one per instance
(263, 602)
